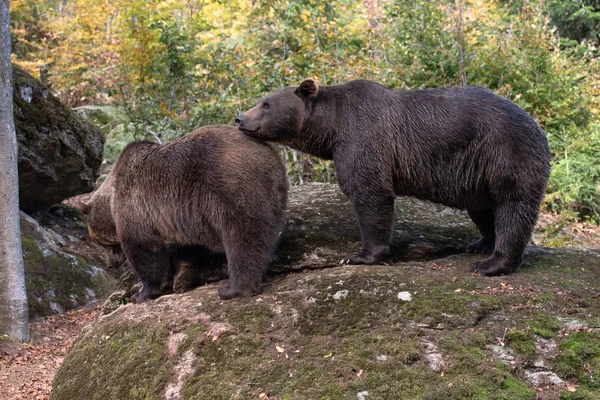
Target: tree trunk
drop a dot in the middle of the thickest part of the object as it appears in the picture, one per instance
(460, 40)
(13, 299)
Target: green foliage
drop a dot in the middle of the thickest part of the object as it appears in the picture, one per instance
(174, 66)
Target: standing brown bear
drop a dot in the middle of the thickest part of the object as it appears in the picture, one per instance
(214, 188)
(464, 147)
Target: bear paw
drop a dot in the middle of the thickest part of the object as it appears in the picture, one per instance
(227, 291)
(146, 294)
(366, 257)
(481, 246)
(494, 266)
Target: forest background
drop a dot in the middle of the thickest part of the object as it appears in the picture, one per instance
(159, 69)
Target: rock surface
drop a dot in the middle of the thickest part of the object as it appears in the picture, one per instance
(59, 152)
(323, 330)
(58, 274)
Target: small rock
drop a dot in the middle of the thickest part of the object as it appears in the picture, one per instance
(56, 308)
(405, 296)
(382, 357)
(73, 239)
(504, 354)
(542, 378)
(26, 93)
(117, 295)
(362, 395)
(342, 294)
(435, 362)
(572, 323)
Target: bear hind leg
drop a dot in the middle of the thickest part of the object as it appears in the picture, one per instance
(484, 220)
(247, 260)
(152, 261)
(514, 222)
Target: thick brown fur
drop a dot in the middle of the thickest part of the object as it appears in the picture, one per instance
(465, 147)
(213, 189)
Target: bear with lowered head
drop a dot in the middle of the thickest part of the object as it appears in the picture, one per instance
(211, 190)
(464, 147)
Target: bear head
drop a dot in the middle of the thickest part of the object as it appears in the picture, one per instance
(101, 224)
(278, 116)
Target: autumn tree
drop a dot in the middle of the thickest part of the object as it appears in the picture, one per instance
(13, 300)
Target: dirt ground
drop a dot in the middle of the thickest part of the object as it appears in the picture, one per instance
(27, 371)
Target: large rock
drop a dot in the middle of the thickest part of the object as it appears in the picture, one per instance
(422, 327)
(59, 152)
(60, 273)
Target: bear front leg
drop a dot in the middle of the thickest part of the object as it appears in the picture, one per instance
(375, 216)
(151, 260)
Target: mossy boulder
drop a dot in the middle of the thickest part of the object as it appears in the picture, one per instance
(58, 280)
(59, 151)
(423, 327)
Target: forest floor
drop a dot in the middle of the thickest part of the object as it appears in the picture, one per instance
(27, 370)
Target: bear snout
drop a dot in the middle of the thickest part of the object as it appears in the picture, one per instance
(239, 119)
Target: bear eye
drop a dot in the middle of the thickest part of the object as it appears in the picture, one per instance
(266, 105)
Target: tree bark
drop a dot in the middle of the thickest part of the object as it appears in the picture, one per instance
(13, 298)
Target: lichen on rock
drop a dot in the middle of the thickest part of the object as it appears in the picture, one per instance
(56, 280)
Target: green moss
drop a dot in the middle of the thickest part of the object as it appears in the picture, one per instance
(579, 359)
(515, 389)
(324, 360)
(133, 366)
(546, 326)
(582, 393)
(521, 342)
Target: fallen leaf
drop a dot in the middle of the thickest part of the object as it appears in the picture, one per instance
(571, 387)
(279, 349)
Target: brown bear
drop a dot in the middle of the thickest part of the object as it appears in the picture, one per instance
(212, 190)
(465, 147)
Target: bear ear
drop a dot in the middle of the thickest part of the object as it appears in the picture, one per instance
(83, 207)
(307, 89)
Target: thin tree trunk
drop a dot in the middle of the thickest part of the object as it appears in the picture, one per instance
(460, 40)
(13, 299)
